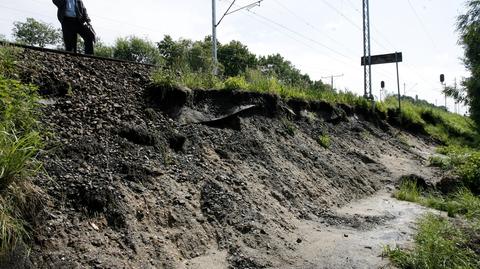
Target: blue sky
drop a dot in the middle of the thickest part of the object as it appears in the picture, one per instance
(320, 37)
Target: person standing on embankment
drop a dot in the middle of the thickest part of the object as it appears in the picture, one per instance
(73, 16)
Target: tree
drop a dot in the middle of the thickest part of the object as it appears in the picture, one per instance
(236, 58)
(137, 49)
(3, 37)
(103, 50)
(468, 26)
(36, 33)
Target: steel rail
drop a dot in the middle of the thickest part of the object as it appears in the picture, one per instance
(4, 43)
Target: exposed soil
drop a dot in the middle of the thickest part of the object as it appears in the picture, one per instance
(145, 177)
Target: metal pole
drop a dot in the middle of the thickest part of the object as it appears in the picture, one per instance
(332, 82)
(214, 37)
(398, 84)
(369, 52)
(367, 70)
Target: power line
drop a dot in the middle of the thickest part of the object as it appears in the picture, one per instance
(422, 24)
(306, 22)
(285, 28)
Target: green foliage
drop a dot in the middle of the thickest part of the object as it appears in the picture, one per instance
(324, 141)
(408, 191)
(439, 244)
(8, 60)
(20, 142)
(465, 162)
(236, 58)
(442, 125)
(36, 33)
(439, 161)
(236, 83)
(12, 229)
(192, 80)
(103, 50)
(463, 202)
(138, 50)
(17, 154)
(469, 29)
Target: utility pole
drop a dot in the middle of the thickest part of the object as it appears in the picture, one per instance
(331, 77)
(214, 37)
(404, 89)
(367, 50)
(215, 24)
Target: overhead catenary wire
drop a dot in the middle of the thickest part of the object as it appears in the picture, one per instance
(303, 36)
(300, 35)
(310, 25)
(422, 24)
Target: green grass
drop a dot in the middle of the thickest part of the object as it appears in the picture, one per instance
(20, 142)
(409, 191)
(448, 128)
(255, 81)
(8, 60)
(439, 244)
(324, 141)
(464, 162)
(463, 202)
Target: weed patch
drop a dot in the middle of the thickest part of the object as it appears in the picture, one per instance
(20, 142)
(439, 244)
(324, 141)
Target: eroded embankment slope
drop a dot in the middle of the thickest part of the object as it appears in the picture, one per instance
(143, 177)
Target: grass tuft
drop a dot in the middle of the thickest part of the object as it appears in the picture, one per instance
(324, 141)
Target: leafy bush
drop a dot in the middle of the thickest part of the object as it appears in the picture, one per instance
(236, 83)
(193, 80)
(138, 50)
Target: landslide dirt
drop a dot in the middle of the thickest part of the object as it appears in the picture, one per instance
(146, 177)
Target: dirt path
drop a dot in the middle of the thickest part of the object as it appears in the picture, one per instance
(376, 222)
(354, 237)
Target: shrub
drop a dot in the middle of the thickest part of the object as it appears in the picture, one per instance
(236, 83)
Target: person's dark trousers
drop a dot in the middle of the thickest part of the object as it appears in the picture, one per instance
(71, 28)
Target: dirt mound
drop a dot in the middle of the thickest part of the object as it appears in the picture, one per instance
(138, 178)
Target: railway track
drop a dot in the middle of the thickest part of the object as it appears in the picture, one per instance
(3, 43)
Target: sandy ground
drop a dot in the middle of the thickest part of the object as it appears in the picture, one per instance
(348, 247)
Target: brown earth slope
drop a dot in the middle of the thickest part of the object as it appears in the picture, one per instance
(144, 177)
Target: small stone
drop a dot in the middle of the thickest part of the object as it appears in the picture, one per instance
(94, 226)
(299, 240)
